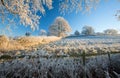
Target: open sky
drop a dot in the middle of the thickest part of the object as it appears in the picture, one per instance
(100, 19)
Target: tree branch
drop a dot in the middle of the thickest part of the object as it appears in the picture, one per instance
(14, 12)
(2, 2)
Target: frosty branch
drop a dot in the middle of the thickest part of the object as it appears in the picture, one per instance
(10, 10)
(27, 10)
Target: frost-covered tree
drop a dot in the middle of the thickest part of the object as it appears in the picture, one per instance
(110, 32)
(60, 27)
(76, 33)
(26, 10)
(87, 30)
(42, 32)
(77, 5)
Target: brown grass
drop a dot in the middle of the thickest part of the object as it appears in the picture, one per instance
(7, 45)
(23, 42)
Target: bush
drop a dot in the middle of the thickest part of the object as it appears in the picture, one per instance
(77, 33)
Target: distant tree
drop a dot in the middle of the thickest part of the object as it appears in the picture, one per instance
(87, 30)
(60, 27)
(42, 32)
(99, 33)
(110, 32)
(48, 33)
(27, 34)
(76, 33)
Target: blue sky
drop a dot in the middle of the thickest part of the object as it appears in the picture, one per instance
(100, 19)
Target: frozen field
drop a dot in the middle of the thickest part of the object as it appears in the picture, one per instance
(70, 46)
(78, 45)
(72, 57)
(95, 67)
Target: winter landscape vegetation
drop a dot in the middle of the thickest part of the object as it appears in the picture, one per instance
(59, 39)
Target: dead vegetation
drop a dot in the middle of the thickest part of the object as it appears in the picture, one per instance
(23, 43)
(6, 44)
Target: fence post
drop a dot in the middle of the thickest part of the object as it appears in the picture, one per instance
(83, 55)
(110, 68)
(83, 58)
(109, 58)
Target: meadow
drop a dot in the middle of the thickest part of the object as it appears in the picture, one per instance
(70, 57)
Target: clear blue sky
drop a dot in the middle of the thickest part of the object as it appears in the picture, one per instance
(100, 19)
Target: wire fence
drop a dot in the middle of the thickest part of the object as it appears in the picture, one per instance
(83, 59)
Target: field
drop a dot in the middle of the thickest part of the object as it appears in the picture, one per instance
(78, 45)
(70, 57)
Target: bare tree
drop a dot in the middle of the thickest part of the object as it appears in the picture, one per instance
(110, 32)
(60, 27)
(26, 10)
(76, 33)
(87, 30)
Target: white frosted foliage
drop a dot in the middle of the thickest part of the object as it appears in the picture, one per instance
(26, 10)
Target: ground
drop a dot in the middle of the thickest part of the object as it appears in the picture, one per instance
(70, 57)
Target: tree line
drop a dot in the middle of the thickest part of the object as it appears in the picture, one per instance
(61, 28)
(89, 30)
